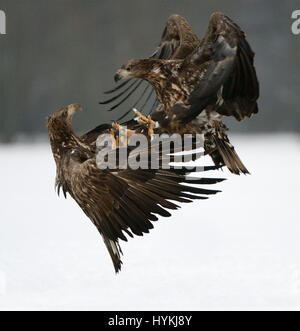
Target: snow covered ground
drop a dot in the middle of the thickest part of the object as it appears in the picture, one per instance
(238, 250)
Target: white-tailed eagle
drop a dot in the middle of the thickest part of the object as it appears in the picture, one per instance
(197, 82)
(118, 201)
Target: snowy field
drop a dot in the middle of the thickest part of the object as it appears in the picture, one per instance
(237, 250)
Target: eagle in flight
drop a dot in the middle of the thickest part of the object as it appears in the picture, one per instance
(196, 82)
(118, 201)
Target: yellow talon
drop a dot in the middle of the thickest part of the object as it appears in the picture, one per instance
(124, 135)
(114, 139)
(151, 125)
(116, 126)
(147, 121)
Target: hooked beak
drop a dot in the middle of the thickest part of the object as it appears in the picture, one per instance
(121, 73)
(72, 109)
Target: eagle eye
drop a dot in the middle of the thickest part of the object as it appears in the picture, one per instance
(128, 68)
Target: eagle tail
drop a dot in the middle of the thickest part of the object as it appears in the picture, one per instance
(115, 252)
(224, 153)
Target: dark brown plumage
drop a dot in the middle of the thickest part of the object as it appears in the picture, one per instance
(198, 82)
(119, 202)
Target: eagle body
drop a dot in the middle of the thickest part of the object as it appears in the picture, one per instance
(172, 80)
(120, 202)
(199, 81)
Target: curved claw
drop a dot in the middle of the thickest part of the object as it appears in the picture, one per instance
(147, 121)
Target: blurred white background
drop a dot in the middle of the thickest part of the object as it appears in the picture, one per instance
(238, 250)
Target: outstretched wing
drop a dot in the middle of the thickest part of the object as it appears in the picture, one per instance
(227, 63)
(124, 202)
(178, 41)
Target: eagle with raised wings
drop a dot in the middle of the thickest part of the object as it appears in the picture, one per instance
(118, 201)
(197, 82)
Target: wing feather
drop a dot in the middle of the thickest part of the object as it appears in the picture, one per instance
(177, 41)
(228, 59)
(126, 202)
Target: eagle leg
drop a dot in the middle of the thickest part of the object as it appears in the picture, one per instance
(147, 121)
(123, 134)
(114, 138)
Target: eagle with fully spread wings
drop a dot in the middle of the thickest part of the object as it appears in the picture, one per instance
(119, 201)
(196, 82)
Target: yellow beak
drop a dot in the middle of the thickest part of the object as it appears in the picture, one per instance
(120, 74)
(73, 108)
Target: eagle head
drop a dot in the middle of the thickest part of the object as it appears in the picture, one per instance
(138, 68)
(64, 114)
(60, 123)
(72, 109)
